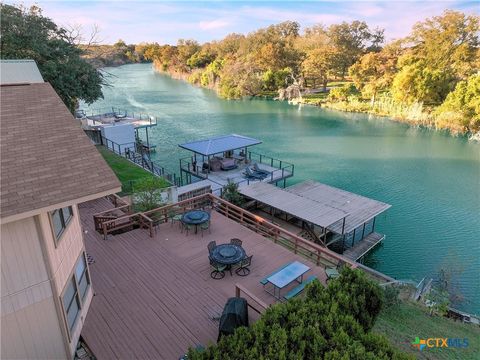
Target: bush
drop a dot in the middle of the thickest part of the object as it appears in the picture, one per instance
(391, 296)
(328, 323)
(231, 194)
(147, 194)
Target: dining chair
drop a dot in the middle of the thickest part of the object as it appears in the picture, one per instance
(218, 271)
(211, 246)
(235, 241)
(205, 226)
(243, 269)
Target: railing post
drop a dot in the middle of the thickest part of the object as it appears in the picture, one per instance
(104, 227)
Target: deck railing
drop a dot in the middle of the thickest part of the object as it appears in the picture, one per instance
(284, 168)
(253, 302)
(314, 252)
(96, 114)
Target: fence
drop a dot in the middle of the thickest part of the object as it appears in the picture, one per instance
(134, 152)
(315, 253)
(96, 115)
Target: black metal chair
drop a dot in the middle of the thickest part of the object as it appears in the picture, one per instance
(243, 269)
(218, 270)
(211, 246)
(235, 241)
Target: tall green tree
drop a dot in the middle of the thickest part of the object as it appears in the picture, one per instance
(27, 34)
(351, 41)
(374, 72)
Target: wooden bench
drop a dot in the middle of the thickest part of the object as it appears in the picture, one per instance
(297, 290)
(264, 281)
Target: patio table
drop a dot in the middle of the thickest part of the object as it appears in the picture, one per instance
(286, 276)
(228, 254)
(195, 217)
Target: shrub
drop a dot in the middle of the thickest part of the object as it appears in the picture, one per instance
(231, 194)
(328, 323)
(147, 194)
(391, 296)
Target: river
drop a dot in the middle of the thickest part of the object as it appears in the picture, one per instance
(431, 180)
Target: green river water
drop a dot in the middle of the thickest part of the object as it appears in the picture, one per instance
(431, 180)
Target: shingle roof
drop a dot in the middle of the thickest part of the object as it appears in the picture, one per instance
(46, 158)
(220, 144)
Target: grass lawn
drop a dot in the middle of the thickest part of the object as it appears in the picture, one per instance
(402, 323)
(126, 171)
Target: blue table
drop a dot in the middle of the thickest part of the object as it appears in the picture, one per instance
(195, 217)
(286, 276)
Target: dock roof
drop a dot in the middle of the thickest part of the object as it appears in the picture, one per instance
(360, 209)
(46, 158)
(318, 204)
(220, 144)
(309, 210)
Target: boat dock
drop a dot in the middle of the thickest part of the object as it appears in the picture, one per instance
(224, 159)
(362, 248)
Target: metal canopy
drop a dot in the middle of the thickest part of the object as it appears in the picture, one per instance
(295, 205)
(360, 209)
(220, 144)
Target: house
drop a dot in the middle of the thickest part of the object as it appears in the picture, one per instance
(48, 167)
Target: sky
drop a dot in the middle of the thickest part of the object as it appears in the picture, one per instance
(166, 21)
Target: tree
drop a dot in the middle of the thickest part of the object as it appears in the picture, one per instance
(375, 71)
(147, 193)
(319, 55)
(448, 42)
(463, 104)
(27, 34)
(419, 83)
(328, 323)
(231, 194)
(352, 40)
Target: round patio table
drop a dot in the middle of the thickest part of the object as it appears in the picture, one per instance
(195, 217)
(228, 254)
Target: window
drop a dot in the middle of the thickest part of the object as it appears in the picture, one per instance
(75, 291)
(71, 303)
(60, 220)
(82, 277)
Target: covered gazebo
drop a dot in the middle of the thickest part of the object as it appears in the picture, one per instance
(224, 145)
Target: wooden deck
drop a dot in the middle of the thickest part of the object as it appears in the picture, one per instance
(154, 296)
(364, 246)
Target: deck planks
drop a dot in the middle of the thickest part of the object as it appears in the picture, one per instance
(154, 296)
(364, 246)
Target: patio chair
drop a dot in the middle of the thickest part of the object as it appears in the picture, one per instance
(211, 246)
(218, 270)
(252, 175)
(174, 217)
(188, 228)
(205, 226)
(260, 171)
(235, 241)
(243, 269)
(334, 272)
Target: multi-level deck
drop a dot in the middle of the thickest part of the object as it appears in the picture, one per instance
(154, 294)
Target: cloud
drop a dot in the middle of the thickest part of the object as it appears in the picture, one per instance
(137, 21)
(213, 24)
